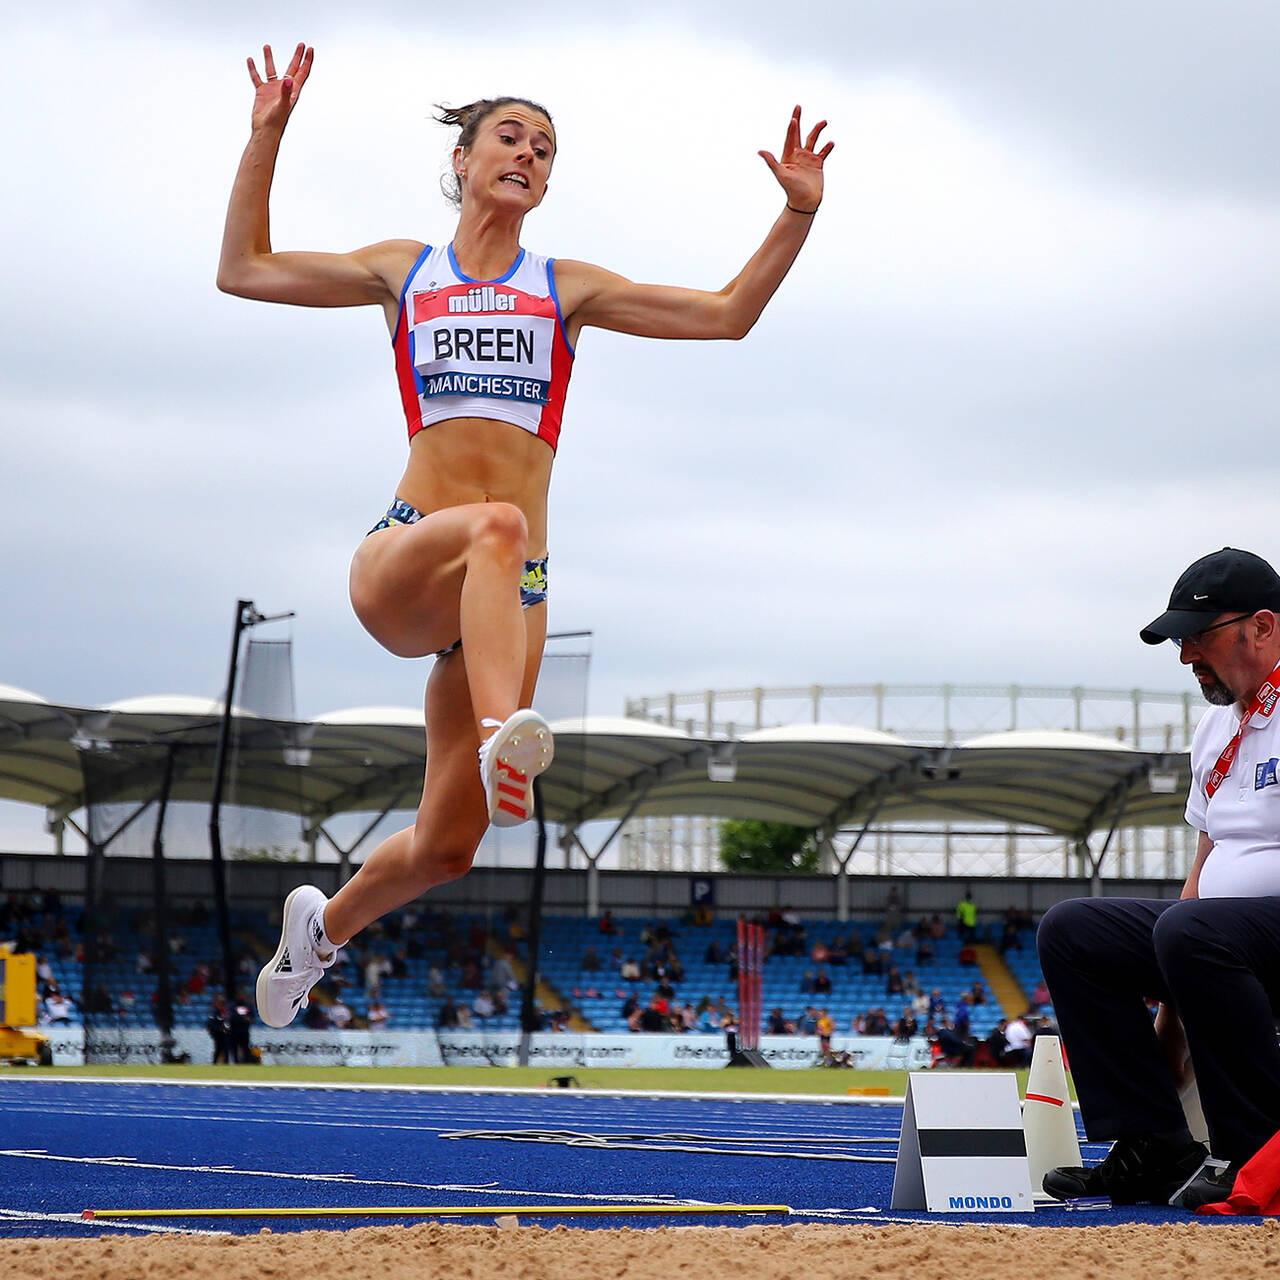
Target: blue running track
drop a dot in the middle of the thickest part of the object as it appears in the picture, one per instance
(71, 1145)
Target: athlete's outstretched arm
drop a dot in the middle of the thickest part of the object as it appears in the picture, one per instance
(593, 296)
(248, 267)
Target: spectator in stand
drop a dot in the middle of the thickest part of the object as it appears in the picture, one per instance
(777, 1023)
(399, 964)
(967, 917)
(819, 953)
(1040, 996)
(952, 1048)
(937, 1004)
(838, 951)
(316, 1017)
(629, 1006)
(447, 1018)
(436, 984)
(655, 1018)
(979, 993)
(665, 990)
(198, 980)
(377, 1016)
(688, 1018)
(924, 952)
(715, 953)
(1017, 1037)
(822, 983)
(57, 1009)
(218, 1026)
(241, 1025)
(967, 956)
(376, 966)
(826, 1029)
(502, 974)
(858, 1025)
(906, 1027)
(607, 926)
(893, 910)
(806, 983)
(877, 1023)
(590, 961)
(340, 1014)
(963, 1014)
(872, 963)
(44, 970)
(99, 1000)
(910, 984)
(937, 927)
(997, 1043)
(1009, 939)
(905, 941)
(893, 985)
(482, 1006)
(630, 971)
(807, 1023)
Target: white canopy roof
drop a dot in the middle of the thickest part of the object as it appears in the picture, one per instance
(366, 759)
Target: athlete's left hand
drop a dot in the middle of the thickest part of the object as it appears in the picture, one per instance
(800, 168)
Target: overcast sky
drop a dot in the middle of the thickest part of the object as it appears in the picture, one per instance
(1023, 372)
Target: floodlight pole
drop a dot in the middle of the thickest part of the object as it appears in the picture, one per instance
(246, 616)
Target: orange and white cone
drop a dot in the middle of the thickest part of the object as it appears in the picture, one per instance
(1048, 1120)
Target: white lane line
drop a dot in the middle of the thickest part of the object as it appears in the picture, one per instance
(716, 1095)
(29, 1215)
(344, 1179)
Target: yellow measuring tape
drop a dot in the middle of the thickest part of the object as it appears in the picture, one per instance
(440, 1211)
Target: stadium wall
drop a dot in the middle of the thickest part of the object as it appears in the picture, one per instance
(626, 893)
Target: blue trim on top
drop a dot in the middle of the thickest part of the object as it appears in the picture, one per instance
(404, 289)
(555, 297)
(511, 270)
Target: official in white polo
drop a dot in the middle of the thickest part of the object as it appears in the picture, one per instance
(1212, 958)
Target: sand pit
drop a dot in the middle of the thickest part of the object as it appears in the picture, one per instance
(1240, 1249)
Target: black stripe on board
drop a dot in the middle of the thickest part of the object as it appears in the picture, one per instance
(972, 1142)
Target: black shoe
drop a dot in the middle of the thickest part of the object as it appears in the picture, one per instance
(1136, 1170)
(1212, 1183)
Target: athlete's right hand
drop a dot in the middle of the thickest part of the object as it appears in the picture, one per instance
(274, 97)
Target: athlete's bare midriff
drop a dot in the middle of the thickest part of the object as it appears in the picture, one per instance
(466, 460)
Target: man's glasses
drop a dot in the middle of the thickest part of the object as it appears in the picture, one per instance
(1196, 638)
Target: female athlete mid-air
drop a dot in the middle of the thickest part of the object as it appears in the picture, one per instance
(484, 334)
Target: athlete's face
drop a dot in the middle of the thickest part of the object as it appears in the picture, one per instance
(510, 160)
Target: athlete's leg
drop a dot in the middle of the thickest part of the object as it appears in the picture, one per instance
(454, 574)
(452, 817)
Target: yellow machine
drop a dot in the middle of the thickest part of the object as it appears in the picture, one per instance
(18, 1009)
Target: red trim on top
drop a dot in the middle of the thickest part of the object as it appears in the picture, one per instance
(406, 376)
(561, 369)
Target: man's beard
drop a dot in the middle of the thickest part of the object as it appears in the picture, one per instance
(1215, 692)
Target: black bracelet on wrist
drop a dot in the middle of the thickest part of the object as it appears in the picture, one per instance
(806, 213)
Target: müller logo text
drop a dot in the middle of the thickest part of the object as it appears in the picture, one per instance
(483, 298)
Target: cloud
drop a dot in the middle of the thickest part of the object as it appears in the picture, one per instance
(1022, 373)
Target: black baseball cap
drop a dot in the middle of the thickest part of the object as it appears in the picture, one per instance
(1227, 581)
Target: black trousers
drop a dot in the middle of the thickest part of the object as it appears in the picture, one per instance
(1216, 961)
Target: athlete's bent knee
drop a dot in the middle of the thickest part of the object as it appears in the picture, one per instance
(501, 528)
